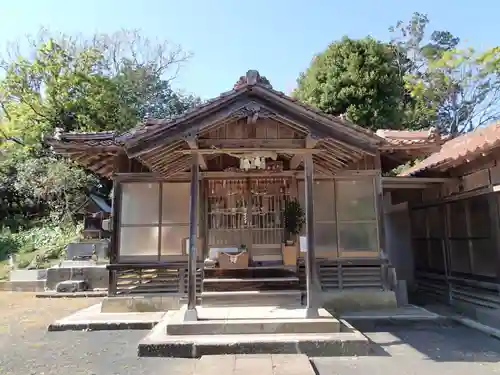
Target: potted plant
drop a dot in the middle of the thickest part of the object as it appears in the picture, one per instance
(294, 220)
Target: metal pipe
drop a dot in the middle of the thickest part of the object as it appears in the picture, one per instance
(193, 217)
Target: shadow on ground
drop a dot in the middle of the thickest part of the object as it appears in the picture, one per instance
(441, 341)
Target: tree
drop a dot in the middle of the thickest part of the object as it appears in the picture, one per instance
(107, 82)
(358, 78)
(455, 90)
(464, 87)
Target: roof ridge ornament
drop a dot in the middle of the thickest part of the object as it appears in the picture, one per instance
(251, 78)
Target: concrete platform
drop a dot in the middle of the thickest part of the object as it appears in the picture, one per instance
(141, 303)
(408, 312)
(296, 311)
(265, 329)
(92, 319)
(83, 294)
(262, 364)
(262, 320)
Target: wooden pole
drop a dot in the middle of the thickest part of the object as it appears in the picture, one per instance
(121, 164)
(495, 227)
(193, 217)
(312, 309)
(115, 236)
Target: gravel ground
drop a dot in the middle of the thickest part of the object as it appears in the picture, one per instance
(27, 348)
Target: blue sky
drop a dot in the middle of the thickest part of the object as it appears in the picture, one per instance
(228, 37)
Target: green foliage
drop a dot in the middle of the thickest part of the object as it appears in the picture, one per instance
(294, 217)
(401, 168)
(106, 82)
(463, 87)
(452, 89)
(415, 81)
(47, 240)
(357, 78)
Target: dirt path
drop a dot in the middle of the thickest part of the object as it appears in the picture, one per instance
(21, 312)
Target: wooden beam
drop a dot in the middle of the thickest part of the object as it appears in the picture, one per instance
(417, 180)
(193, 144)
(191, 124)
(295, 161)
(251, 150)
(310, 141)
(251, 142)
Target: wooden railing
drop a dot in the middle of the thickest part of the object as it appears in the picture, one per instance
(165, 278)
(461, 289)
(339, 274)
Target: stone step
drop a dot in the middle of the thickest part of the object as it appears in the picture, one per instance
(249, 273)
(158, 344)
(248, 284)
(251, 298)
(253, 326)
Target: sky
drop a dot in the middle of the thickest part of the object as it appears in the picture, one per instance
(228, 37)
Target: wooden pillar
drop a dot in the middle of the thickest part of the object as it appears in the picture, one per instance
(115, 236)
(121, 164)
(312, 308)
(192, 255)
(388, 272)
(495, 227)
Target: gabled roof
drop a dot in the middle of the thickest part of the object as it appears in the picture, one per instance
(162, 141)
(455, 151)
(249, 87)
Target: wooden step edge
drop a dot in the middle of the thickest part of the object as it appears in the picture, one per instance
(253, 268)
(252, 293)
(250, 279)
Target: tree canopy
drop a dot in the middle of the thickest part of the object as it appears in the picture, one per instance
(358, 78)
(413, 81)
(105, 82)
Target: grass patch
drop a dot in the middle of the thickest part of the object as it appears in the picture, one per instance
(38, 246)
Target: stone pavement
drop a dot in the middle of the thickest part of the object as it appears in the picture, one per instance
(258, 364)
(429, 350)
(449, 349)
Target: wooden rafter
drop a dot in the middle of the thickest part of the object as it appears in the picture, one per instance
(193, 144)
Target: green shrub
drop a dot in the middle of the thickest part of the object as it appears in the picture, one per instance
(47, 239)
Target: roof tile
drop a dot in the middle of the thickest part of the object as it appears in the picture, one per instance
(466, 146)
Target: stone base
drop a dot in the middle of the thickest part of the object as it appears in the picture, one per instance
(141, 303)
(224, 321)
(252, 330)
(96, 277)
(359, 300)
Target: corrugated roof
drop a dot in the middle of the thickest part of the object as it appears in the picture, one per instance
(464, 147)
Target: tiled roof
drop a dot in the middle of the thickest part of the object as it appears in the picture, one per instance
(465, 147)
(91, 139)
(151, 125)
(410, 137)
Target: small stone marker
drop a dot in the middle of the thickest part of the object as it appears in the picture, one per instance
(71, 286)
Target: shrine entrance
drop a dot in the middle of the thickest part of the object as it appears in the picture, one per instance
(247, 213)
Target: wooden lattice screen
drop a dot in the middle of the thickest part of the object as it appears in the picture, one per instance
(246, 211)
